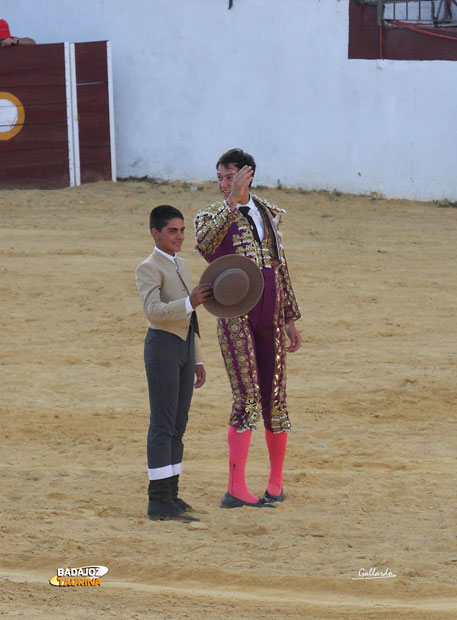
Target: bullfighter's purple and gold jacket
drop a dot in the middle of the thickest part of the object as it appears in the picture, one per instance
(221, 231)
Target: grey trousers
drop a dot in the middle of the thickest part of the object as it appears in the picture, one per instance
(170, 370)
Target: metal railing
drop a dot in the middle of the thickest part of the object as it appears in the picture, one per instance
(438, 13)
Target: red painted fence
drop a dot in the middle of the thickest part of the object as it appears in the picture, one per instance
(55, 115)
(369, 41)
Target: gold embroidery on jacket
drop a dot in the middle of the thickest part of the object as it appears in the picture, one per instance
(278, 415)
(238, 353)
(211, 226)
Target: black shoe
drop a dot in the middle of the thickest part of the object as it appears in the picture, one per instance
(183, 505)
(229, 501)
(167, 511)
(174, 483)
(270, 499)
(161, 506)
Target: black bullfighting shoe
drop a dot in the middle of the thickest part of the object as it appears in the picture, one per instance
(167, 511)
(229, 501)
(270, 499)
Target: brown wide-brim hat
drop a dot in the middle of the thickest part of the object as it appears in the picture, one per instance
(237, 285)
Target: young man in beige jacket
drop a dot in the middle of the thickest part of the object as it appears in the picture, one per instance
(172, 358)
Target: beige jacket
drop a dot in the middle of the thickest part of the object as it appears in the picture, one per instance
(164, 295)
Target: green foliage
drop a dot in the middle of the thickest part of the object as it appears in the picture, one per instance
(445, 204)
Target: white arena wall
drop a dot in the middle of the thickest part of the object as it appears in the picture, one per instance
(192, 79)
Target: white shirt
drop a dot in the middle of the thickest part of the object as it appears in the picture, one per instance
(255, 214)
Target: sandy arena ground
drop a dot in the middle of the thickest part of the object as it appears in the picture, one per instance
(370, 472)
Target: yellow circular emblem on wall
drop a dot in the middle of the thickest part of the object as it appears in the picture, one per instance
(12, 116)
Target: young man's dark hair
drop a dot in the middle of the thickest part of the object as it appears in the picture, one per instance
(238, 157)
(161, 215)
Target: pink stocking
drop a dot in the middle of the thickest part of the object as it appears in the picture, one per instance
(238, 444)
(276, 443)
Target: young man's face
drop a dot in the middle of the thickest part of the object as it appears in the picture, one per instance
(171, 237)
(225, 176)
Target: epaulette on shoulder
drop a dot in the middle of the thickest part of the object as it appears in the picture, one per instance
(212, 208)
(268, 205)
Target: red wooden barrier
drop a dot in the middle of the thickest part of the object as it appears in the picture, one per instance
(55, 116)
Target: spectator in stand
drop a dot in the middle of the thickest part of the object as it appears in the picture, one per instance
(7, 40)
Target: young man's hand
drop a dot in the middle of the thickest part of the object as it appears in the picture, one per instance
(294, 337)
(200, 374)
(200, 294)
(240, 186)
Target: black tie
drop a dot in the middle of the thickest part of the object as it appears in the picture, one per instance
(194, 321)
(193, 316)
(245, 212)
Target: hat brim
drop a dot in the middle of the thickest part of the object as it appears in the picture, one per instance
(255, 290)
